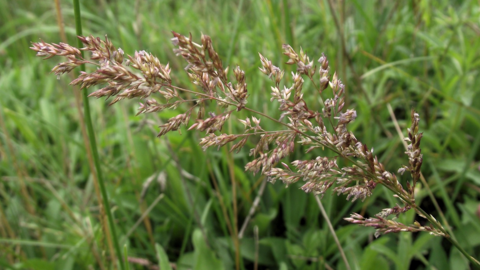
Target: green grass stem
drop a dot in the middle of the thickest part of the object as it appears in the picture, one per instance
(93, 146)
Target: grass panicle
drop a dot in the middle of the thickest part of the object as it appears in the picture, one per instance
(143, 76)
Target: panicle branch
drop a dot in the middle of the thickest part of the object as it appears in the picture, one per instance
(385, 226)
(414, 153)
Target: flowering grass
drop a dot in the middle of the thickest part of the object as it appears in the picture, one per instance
(222, 195)
(205, 69)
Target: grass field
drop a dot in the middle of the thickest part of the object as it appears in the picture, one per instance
(171, 199)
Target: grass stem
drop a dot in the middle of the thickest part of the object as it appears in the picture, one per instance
(93, 146)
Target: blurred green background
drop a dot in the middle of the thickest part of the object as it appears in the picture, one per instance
(420, 55)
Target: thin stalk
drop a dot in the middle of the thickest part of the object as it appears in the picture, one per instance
(93, 145)
(432, 220)
(255, 204)
(332, 231)
(78, 106)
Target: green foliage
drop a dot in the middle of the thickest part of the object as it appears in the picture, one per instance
(420, 55)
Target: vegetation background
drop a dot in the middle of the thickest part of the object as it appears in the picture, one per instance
(420, 55)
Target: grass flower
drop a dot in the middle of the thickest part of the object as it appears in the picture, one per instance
(143, 76)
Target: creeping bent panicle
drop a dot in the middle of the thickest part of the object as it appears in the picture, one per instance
(143, 76)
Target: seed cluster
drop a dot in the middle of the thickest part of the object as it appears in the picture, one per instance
(144, 76)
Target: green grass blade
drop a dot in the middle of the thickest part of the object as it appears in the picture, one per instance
(93, 145)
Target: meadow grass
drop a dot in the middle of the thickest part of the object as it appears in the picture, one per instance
(167, 194)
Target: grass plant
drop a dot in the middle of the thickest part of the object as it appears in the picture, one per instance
(171, 199)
